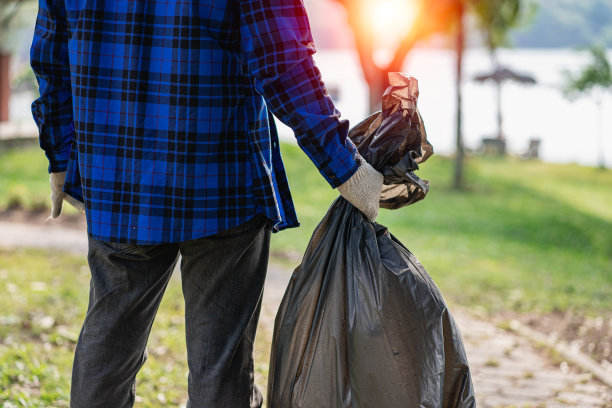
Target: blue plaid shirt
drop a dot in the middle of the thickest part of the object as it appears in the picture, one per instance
(160, 112)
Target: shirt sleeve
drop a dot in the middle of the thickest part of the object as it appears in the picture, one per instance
(277, 46)
(53, 111)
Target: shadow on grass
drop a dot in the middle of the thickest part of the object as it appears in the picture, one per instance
(520, 214)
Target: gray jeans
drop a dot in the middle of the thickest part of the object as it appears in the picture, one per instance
(222, 276)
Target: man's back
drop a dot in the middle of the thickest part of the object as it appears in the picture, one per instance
(174, 140)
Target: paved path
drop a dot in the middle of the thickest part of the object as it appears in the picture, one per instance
(507, 369)
(47, 235)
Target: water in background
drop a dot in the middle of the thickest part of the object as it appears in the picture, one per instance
(568, 130)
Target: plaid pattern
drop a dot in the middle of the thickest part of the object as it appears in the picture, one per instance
(160, 112)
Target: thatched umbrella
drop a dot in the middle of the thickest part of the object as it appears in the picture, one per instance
(500, 75)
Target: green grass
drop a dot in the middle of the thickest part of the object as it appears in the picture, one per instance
(524, 236)
(40, 312)
(24, 179)
(44, 303)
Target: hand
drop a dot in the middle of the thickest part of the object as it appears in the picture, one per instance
(363, 190)
(56, 181)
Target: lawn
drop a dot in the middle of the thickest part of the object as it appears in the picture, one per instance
(40, 317)
(524, 236)
(24, 182)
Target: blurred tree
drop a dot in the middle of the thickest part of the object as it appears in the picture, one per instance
(9, 9)
(427, 17)
(594, 80)
(568, 24)
(459, 148)
(404, 22)
(496, 18)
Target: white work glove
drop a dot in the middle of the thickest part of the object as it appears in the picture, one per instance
(56, 181)
(363, 190)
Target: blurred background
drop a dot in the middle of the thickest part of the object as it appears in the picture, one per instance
(516, 96)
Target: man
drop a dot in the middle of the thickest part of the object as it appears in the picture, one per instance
(155, 117)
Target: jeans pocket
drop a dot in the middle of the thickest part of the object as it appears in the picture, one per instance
(253, 224)
(120, 248)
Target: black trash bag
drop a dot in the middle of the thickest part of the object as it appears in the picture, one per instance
(394, 142)
(362, 324)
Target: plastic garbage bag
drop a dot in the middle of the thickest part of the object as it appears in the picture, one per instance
(362, 324)
(394, 142)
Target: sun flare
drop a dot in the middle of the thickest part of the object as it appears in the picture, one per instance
(389, 19)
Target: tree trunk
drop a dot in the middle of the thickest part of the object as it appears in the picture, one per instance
(5, 90)
(375, 76)
(498, 95)
(600, 137)
(459, 154)
(500, 120)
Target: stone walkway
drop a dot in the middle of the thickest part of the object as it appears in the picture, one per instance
(508, 370)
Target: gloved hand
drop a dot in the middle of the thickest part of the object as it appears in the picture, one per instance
(363, 190)
(56, 181)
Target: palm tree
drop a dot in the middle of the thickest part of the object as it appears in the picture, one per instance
(459, 148)
(430, 17)
(595, 79)
(495, 18)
